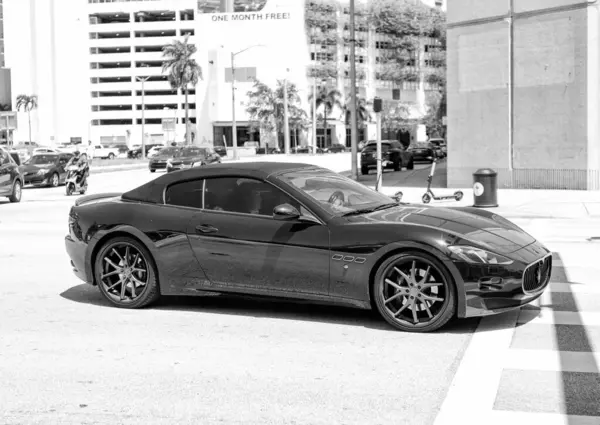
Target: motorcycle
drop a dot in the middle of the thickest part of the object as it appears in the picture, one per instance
(72, 186)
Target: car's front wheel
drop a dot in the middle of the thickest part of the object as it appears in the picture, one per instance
(16, 192)
(414, 292)
(126, 273)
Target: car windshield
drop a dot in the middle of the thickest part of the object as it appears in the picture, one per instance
(170, 151)
(421, 146)
(42, 159)
(194, 152)
(373, 147)
(337, 194)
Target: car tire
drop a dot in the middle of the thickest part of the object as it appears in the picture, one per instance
(398, 164)
(364, 170)
(17, 192)
(54, 180)
(153, 171)
(111, 156)
(411, 164)
(116, 250)
(406, 294)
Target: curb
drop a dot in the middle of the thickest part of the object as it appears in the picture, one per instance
(116, 168)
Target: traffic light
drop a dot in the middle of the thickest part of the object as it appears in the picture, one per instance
(377, 106)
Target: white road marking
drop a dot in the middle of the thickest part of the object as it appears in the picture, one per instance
(473, 390)
(552, 361)
(502, 417)
(547, 316)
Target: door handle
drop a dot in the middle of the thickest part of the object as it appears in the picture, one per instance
(206, 228)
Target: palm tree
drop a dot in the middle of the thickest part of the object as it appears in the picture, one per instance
(362, 112)
(266, 107)
(183, 70)
(328, 99)
(27, 103)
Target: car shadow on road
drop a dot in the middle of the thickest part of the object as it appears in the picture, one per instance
(238, 305)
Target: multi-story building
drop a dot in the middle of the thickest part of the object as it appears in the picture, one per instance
(125, 58)
(90, 78)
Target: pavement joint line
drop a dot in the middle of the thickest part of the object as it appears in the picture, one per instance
(552, 360)
(547, 316)
(503, 417)
(473, 390)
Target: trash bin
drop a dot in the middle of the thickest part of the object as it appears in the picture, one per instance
(485, 188)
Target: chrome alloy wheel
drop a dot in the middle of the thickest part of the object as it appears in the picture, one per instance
(413, 293)
(125, 273)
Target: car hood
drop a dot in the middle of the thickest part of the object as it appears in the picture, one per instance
(162, 157)
(494, 233)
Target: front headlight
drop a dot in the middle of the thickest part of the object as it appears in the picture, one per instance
(43, 171)
(478, 256)
(169, 162)
(198, 164)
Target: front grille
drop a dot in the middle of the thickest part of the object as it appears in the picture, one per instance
(537, 275)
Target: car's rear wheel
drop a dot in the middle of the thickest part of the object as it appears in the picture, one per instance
(414, 292)
(411, 164)
(126, 273)
(111, 156)
(152, 171)
(17, 192)
(398, 164)
(364, 170)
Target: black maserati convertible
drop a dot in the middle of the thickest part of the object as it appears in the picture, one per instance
(302, 232)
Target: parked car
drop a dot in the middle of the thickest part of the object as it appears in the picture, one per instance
(302, 232)
(307, 149)
(440, 145)
(38, 151)
(159, 162)
(47, 169)
(104, 152)
(268, 151)
(11, 179)
(393, 155)
(337, 148)
(193, 156)
(422, 152)
(154, 151)
(136, 152)
(122, 148)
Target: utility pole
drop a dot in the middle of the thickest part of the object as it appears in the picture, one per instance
(353, 124)
(377, 107)
(286, 123)
(234, 124)
(314, 117)
(143, 80)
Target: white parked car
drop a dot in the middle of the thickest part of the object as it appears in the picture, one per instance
(44, 150)
(154, 151)
(100, 151)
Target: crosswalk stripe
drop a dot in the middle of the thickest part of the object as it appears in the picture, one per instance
(473, 389)
(503, 417)
(574, 288)
(552, 360)
(547, 316)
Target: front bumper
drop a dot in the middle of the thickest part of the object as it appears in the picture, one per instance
(36, 179)
(371, 162)
(493, 289)
(76, 251)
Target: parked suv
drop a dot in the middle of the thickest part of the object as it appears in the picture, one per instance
(423, 151)
(11, 179)
(393, 155)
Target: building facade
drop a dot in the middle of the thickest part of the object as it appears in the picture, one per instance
(523, 92)
(90, 63)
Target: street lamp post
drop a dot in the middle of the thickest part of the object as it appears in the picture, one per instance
(353, 125)
(233, 122)
(314, 116)
(143, 80)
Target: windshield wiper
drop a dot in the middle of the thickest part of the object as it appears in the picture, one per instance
(370, 210)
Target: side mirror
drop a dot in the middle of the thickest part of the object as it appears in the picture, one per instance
(397, 196)
(285, 212)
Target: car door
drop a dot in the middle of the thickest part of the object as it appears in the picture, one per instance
(62, 163)
(241, 246)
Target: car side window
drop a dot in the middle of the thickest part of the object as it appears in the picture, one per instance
(4, 158)
(246, 196)
(185, 194)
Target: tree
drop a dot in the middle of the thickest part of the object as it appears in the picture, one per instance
(265, 108)
(394, 116)
(183, 71)
(328, 99)
(363, 115)
(27, 103)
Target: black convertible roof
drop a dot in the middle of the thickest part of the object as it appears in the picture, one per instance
(153, 190)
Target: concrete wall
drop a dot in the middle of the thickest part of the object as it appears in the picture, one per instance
(555, 105)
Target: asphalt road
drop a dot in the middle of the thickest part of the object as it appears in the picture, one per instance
(66, 357)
